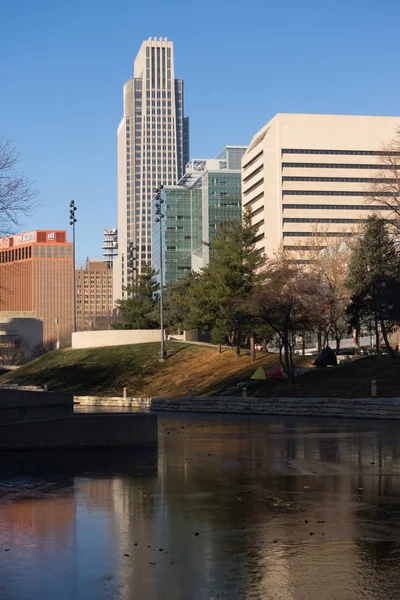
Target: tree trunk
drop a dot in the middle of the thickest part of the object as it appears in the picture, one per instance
(219, 349)
(377, 343)
(303, 345)
(338, 339)
(252, 349)
(238, 352)
(288, 366)
(319, 340)
(288, 362)
(392, 353)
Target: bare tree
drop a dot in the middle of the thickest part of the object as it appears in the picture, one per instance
(383, 193)
(12, 352)
(327, 259)
(17, 195)
(286, 302)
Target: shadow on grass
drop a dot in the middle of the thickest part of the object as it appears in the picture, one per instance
(172, 353)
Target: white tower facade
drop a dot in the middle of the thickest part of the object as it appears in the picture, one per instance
(153, 147)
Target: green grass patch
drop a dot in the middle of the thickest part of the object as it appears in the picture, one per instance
(106, 371)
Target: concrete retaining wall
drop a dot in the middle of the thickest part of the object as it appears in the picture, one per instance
(109, 402)
(84, 431)
(360, 408)
(28, 405)
(114, 337)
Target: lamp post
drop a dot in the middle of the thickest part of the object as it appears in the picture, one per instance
(159, 216)
(72, 221)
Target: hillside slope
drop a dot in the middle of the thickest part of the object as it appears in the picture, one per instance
(106, 371)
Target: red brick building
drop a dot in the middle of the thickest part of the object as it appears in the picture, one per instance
(94, 295)
(36, 274)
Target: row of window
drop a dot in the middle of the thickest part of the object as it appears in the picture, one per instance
(290, 165)
(253, 160)
(343, 152)
(332, 193)
(340, 179)
(24, 253)
(253, 174)
(287, 220)
(334, 207)
(317, 234)
(254, 186)
(16, 254)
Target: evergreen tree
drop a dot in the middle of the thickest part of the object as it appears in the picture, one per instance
(177, 303)
(374, 278)
(218, 295)
(140, 310)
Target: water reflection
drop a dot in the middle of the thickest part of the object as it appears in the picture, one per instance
(231, 508)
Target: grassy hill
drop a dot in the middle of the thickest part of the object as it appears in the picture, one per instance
(351, 380)
(106, 371)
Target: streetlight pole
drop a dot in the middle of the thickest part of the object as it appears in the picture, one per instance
(72, 221)
(159, 216)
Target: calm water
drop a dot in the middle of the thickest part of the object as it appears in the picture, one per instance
(230, 508)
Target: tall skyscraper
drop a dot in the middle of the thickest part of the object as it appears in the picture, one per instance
(153, 148)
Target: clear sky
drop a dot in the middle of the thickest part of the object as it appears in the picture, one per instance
(63, 65)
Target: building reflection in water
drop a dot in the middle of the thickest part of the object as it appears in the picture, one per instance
(232, 507)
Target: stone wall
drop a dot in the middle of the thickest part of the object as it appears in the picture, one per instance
(28, 405)
(359, 408)
(83, 431)
(114, 337)
(110, 401)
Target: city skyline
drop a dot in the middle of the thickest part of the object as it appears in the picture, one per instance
(72, 74)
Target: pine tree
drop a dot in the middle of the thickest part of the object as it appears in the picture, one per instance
(374, 278)
(140, 310)
(218, 295)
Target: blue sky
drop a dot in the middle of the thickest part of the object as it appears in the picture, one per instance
(63, 65)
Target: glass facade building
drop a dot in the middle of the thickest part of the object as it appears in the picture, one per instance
(207, 196)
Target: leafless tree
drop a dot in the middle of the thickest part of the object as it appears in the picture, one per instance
(17, 196)
(327, 259)
(384, 192)
(12, 352)
(286, 302)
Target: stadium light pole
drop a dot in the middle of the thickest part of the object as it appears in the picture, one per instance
(72, 221)
(159, 216)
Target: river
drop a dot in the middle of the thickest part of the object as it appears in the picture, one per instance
(230, 507)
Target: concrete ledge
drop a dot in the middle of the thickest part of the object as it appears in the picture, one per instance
(28, 405)
(112, 401)
(356, 408)
(114, 337)
(84, 431)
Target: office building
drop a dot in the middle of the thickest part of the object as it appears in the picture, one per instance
(308, 174)
(207, 196)
(110, 246)
(36, 274)
(153, 147)
(94, 295)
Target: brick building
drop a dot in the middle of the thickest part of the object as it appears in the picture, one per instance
(36, 275)
(94, 295)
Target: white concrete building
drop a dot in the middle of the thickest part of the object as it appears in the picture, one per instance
(305, 171)
(153, 147)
